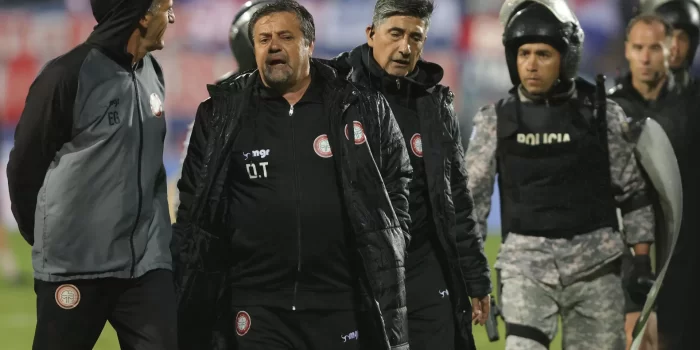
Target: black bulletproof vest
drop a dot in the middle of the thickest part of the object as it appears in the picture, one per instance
(554, 170)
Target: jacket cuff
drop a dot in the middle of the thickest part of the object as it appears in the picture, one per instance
(479, 288)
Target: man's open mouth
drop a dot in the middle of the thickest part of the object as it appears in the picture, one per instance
(276, 62)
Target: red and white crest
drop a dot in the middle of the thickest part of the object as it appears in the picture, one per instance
(67, 296)
(322, 147)
(242, 323)
(417, 145)
(358, 132)
(156, 105)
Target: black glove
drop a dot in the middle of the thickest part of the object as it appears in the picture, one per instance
(641, 278)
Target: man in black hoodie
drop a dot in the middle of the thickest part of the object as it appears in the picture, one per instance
(88, 186)
(446, 264)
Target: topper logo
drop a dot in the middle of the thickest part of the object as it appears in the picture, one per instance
(261, 153)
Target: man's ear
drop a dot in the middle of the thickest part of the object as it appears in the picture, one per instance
(311, 49)
(369, 32)
(145, 20)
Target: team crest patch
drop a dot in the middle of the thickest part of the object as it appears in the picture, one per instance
(67, 296)
(242, 323)
(156, 105)
(417, 145)
(322, 147)
(358, 131)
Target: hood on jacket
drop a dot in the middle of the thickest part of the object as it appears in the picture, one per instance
(116, 20)
(425, 74)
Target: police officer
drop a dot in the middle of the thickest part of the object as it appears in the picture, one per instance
(684, 16)
(564, 166)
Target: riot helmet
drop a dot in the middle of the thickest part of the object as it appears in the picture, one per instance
(240, 43)
(684, 15)
(542, 21)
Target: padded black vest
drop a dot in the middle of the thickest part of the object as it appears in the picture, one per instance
(554, 167)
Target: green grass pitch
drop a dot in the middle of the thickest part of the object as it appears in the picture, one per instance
(18, 308)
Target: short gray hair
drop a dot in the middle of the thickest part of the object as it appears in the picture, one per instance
(155, 6)
(384, 9)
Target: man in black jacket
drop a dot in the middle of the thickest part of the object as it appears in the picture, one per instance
(446, 264)
(651, 90)
(293, 218)
(88, 186)
(643, 93)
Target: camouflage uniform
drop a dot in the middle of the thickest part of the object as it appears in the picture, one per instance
(579, 278)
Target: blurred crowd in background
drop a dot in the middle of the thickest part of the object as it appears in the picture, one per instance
(464, 37)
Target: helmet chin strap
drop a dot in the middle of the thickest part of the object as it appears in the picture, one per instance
(560, 88)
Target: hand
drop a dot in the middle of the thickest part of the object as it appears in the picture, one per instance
(641, 278)
(481, 306)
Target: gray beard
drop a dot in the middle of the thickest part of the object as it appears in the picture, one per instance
(277, 84)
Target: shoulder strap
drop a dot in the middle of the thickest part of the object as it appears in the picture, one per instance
(506, 116)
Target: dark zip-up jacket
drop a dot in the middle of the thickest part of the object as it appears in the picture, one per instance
(676, 110)
(461, 248)
(86, 175)
(373, 177)
(287, 209)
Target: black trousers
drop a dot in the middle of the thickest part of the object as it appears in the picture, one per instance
(264, 328)
(71, 315)
(430, 315)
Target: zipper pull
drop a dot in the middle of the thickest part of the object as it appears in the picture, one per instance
(291, 110)
(398, 84)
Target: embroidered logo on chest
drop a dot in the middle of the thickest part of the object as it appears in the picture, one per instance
(156, 105)
(322, 147)
(358, 132)
(417, 145)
